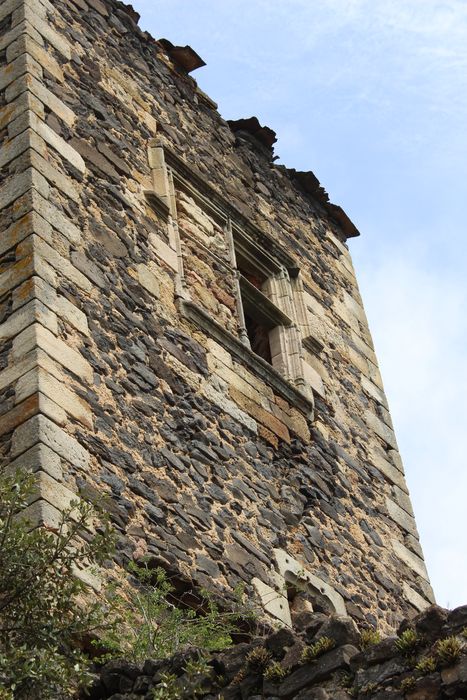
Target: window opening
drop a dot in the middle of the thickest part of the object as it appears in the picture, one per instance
(302, 596)
(258, 335)
(260, 314)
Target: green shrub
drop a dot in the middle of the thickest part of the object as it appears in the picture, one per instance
(369, 637)
(408, 684)
(188, 686)
(448, 650)
(275, 672)
(407, 641)
(150, 623)
(258, 658)
(41, 618)
(320, 647)
(426, 665)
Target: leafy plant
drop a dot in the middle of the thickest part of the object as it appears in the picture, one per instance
(369, 637)
(407, 641)
(408, 684)
(275, 672)
(167, 688)
(320, 647)
(240, 675)
(347, 680)
(448, 650)
(426, 665)
(188, 686)
(152, 625)
(368, 689)
(42, 613)
(258, 658)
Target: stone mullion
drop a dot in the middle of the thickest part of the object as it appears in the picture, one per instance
(242, 331)
(43, 405)
(164, 189)
(287, 356)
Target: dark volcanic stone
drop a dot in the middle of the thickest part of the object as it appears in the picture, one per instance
(207, 565)
(280, 641)
(115, 671)
(342, 630)
(375, 654)
(457, 617)
(319, 670)
(430, 622)
(309, 623)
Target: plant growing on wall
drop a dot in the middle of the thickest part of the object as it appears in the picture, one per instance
(153, 624)
(42, 610)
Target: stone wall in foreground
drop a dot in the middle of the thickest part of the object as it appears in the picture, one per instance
(124, 369)
(434, 668)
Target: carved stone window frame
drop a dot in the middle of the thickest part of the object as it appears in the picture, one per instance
(281, 300)
(285, 571)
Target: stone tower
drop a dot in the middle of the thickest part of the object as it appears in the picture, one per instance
(181, 328)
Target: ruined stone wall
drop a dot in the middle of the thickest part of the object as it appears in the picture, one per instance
(123, 363)
(427, 661)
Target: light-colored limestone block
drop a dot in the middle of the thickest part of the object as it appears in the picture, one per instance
(401, 517)
(274, 602)
(391, 473)
(71, 314)
(40, 380)
(146, 278)
(313, 378)
(29, 14)
(34, 288)
(38, 336)
(21, 65)
(21, 28)
(34, 244)
(30, 120)
(38, 458)
(373, 391)
(288, 565)
(230, 407)
(36, 88)
(26, 45)
(410, 559)
(18, 184)
(54, 176)
(164, 251)
(19, 144)
(41, 429)
(33, 312)
(381, 429)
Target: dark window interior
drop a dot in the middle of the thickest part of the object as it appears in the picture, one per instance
(260, 315)
(250, 272)
(258, 336)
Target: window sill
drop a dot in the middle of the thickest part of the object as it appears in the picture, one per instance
(261, 369)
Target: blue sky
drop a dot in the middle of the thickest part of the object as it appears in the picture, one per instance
(372, 96)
